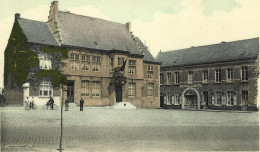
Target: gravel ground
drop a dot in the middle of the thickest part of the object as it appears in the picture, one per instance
(106, 129)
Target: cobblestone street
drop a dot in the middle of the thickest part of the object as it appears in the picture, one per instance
(105, 129)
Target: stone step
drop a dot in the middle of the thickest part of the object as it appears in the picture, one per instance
(124, 105)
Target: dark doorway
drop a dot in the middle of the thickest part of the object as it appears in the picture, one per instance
(70, 91)
(119, 93)
(206, 97)
(161, 100)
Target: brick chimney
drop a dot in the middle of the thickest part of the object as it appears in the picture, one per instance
(17, 16)
(128, 26)
(53, 21)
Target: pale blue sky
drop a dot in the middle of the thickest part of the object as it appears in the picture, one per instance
(164, 25)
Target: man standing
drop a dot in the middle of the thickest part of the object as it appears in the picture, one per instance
(81, 102)
(67, 104)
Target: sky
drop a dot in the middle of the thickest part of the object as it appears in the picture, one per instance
(162, 25)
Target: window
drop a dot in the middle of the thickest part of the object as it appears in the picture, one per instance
(218, 75)
(74, 56)
(111, 64)
(177, 98)
(84, 88)
(96, 63)
(231, 96)
(244, 73)
(85, 58)
(74, 61)
(161, 78)
(150, 89)
(205, 76)
(229, 75)
(131, 67)
(169, 77)
(95, 89)
(150, 71)
(190, 77)
(245, 97)
(131, 90)
(218, 97)
(45, 61)
(85, 62)
(177, 81)
(45, 88)
(120, 61)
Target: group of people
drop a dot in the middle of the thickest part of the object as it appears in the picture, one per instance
(29, 101)
(50, 103)
(81, 103)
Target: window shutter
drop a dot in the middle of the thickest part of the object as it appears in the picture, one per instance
(213, 98)
(235, 98)
(223, 98)
(164, 100)
(173, 99)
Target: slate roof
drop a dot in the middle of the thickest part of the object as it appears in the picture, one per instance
(147, 55)
(37, 32)
(88, 32)
(225, 51)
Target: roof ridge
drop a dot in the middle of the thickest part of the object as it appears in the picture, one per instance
(92, 17)
(223, 42)
(32, 20)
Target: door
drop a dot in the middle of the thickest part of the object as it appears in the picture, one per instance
(161, 100)
(70, 91)
(206, 98)
(119, 93)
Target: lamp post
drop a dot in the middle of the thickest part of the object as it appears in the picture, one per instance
(61, 119)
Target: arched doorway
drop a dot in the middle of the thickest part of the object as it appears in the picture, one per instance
(190, 99)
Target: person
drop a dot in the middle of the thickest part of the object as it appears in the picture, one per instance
(51, 102)
(67, 104)
(32, 103)
(81, 104)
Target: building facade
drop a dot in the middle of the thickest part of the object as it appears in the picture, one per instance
(218, 76)
(106, 63)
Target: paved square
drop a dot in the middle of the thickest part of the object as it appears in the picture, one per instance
(105, 129)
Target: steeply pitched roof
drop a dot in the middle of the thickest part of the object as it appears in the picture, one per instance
(37, 32)
(147, 55)
(88, 32)
(224, 51)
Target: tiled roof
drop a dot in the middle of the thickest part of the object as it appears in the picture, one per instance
(37, 32)
(88, 32)
(225, 51)
(147, 55)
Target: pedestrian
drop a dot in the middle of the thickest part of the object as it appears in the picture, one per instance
(67, 104)
(81, 104)
(51, 101)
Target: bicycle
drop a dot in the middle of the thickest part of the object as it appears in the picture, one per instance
(48, 106)
(28, 106)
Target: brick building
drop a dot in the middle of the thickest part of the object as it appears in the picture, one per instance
(106, 63)
(218, 76)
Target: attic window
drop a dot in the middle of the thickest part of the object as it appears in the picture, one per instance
(96, 43)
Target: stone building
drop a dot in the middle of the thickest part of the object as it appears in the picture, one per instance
(106, 63)
(218, 76)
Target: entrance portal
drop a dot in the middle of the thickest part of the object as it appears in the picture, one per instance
(119, 93)
(191, 99)
(70, 91)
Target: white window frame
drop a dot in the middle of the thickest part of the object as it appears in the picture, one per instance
(131, 90)
(205, 76)
(218, 98)
(132, 67)
(96, 63)
(230, 98)
(177, 98)
(95, 88)
(45, 86)
(177, 77)
(244, 73)
(169, 77)
(190, 77)
(45, 61)
(150, 71)
(217, 75)
(230, 74)
(85, 85)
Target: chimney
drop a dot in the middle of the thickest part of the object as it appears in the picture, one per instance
(17, 16)
(128, 26)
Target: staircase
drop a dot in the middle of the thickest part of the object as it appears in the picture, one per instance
(124, 105)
